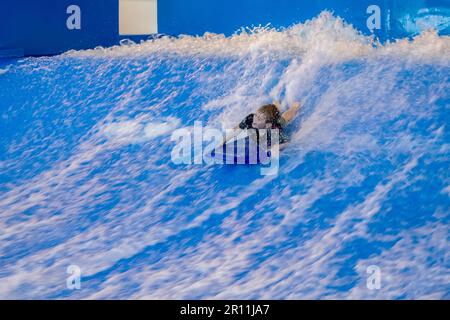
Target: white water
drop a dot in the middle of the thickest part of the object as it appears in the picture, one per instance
(100, 134)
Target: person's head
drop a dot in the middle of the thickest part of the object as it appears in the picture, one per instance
(268, 113)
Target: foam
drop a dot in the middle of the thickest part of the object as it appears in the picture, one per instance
(138, 130)
(326, 37)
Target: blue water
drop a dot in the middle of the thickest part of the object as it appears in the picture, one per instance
(87, 179)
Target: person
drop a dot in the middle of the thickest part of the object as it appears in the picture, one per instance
(269, 116)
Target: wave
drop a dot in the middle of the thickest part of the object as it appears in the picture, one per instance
(87, 179)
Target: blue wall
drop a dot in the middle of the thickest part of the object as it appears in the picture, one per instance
(39, 27)
(399, 18)
(196, 17)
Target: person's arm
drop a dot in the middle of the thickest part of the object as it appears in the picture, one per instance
(289, 115)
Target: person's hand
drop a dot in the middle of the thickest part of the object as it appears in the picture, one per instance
(296, 105)
(277, 104)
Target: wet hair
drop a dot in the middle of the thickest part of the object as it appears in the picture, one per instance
(270, 111)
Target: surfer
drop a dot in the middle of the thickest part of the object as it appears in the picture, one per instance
(269, 116)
